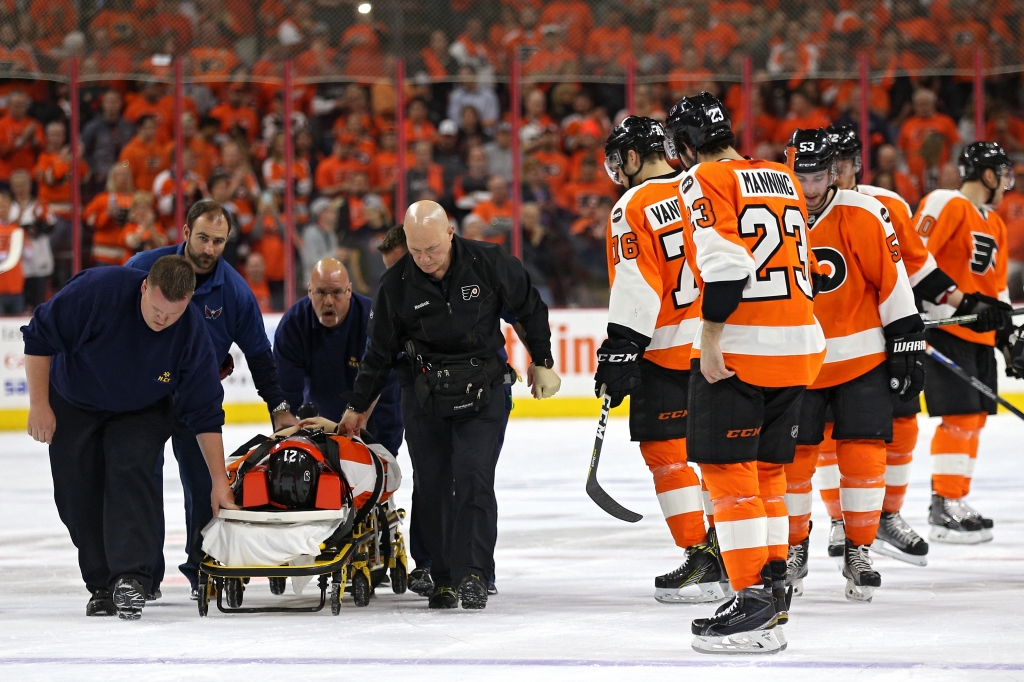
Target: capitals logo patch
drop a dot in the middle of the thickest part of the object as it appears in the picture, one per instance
(470, 292)
(164, 378)
(212, 314)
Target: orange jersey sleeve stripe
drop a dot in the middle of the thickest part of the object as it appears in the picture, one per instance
(746, 219)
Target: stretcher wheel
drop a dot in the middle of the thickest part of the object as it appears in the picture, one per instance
(277, 585)
(233, 592)
(360, 589)
(399, 578)
(203, 595)
(336, 599)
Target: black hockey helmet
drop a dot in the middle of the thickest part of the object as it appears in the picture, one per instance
(845, 139)
(641, 134)
(695, 122)
(978, 156)
(292, 475)
(811, 151)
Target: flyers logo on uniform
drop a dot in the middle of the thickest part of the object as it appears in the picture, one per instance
(766, 183)
(984, 256)
(213, 314)
(471, 291)
(836, 270)
(664, 212)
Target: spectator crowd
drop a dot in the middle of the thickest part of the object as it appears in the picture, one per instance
(574, 58)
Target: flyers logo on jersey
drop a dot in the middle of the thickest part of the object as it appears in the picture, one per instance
(836, 270)
(469, 292)
(664, 213)
(984, 256)
(766, 183)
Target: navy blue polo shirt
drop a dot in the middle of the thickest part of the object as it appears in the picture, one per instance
(318, 364)
(225, 301)
(106, 358)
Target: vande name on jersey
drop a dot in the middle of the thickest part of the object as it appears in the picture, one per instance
(664, 213)
(766, 183)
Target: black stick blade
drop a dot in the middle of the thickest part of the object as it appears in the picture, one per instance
(594, 489)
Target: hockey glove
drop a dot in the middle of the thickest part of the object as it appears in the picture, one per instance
(906, 364)
(227, 367)
(618, 370)
(992, 313)
(818, 283)
(1013, 350)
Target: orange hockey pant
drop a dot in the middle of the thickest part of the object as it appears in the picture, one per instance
(678, 490)
(861, 467)
(954, 450)
(750, 516)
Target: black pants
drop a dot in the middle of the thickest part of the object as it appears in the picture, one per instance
(198, 487)
(417, 547)
(102, 465)
(453, 476)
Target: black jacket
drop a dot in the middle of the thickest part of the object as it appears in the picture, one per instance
(482, 280)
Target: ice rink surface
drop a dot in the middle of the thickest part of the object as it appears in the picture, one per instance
(576, 591)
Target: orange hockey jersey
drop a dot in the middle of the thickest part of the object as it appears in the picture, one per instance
(857, 247)
(747, 219)
(969, 244)
(652, 290)
(917, 259)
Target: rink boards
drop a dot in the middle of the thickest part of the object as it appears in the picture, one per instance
(576, 335)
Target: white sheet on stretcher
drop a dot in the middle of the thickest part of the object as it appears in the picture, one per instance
(237, 543)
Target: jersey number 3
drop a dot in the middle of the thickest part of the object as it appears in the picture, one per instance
(761, 222)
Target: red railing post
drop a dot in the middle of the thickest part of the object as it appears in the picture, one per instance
(76, 184)
(289, 188)
(979, 96)
(747, 92)
(179, 148)
(515, 101)
(865, 115)
(631, 86)
(400, 141)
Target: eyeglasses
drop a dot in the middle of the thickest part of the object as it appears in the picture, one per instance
(336, 294)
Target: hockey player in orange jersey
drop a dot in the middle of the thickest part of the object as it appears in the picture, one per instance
(895, 537)
(875, 342)
(968, 239)
(651, 322)
(757, 347)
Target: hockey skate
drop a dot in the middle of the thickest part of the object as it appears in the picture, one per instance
(701, 569)
(951, 523)
(896, 539)
(775, 574)
(724, 580)
(861, 578)
(796, 566)
(836, 541)
(747, 624)
(986, 523)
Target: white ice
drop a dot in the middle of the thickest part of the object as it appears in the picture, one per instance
(576, 591)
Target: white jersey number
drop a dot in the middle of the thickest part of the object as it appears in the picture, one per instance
(672, 246)
(762, 223)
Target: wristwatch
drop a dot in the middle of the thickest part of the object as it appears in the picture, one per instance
(283, 407)
(546, 362)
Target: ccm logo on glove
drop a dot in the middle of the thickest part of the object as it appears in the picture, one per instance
(617, 358)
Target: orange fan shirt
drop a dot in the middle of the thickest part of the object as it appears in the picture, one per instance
(747, 219)
(856, 245)
(145, 161)
(12, 155)
(498, 221)
(12, 281)
(969, 244)
(241, 117)
(52, 174)
(652, 290)
(1011, 210)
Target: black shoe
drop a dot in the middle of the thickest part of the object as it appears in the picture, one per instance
(129, 598)
(421, 582)
(473, 592)
(746, 624)
(154, 595)
(100, 604)
(443, 598)
(701, 569)
(492, 589)
(861, 578)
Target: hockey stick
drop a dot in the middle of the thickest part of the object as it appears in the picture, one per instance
(975, 383)
(594, 489)
(961, 319)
